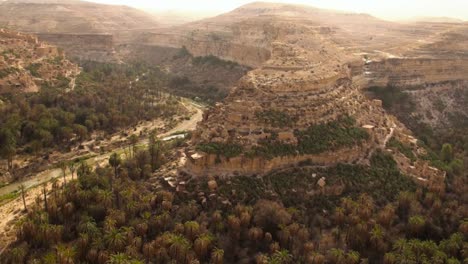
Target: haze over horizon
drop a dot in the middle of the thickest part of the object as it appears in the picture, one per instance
(391, 10)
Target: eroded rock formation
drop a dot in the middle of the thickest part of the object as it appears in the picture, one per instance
(312, 76)
(27, 63)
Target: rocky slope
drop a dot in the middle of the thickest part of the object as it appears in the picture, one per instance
(71, 16)
(26, 64)
(207, 78)
(246, 34)
(84, 30)
(304, 101)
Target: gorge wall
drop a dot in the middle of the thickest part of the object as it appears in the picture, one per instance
(414, 72)
(27, 63)
(312, 79)
(94, 47)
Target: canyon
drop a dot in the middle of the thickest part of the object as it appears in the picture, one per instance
(85, 30)
(309, 67)
(312, 67)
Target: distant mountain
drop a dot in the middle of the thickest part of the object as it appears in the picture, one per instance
(71, 16)
(437, 20)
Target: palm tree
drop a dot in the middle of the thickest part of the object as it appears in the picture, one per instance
(54, 182)
(192, 229)
(316, 258)
(44, 191)
(202, 245)
(17, 255)
(234, 226)
(149, 250)
(284, 236)
(390, 258)
(274, 247)
(133, 141)
(22, 188)
(366, 206)
(179, 247)
(121, 258)
(386, 216)
(217, 256)
(377, 238)
(65, 254)
(115, 162)
(63, 167)
(255, 234)
(261, 259)
(106, 198)
(352, 257)
(72, 168)
(115, 240)
(337, 255)
(49, 258)
(339, 215)
(416, 224)
(281, 257)
(245, 218)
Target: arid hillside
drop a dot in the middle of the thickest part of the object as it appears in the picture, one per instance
(310, 69)
(86, 31)
(26, 64)
(71, 16)
(246, 34)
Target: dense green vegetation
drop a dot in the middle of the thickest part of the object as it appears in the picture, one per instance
(331, 136)
(393, 97)
(34, 68)
(186, 87)
(213, 60)
(401, 105)
(204, 78)
(101, 101)
(275, 118)
(314, 140)
(361, 215)
(221, 149)
(404, 149)
(7, 71)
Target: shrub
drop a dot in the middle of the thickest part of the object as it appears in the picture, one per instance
(225, 149)
(275, 118)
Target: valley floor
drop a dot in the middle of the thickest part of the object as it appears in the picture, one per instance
(12, 211)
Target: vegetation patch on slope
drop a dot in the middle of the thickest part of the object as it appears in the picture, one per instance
(227, 150)
(314, 140)
(404, 149)
(275, 118)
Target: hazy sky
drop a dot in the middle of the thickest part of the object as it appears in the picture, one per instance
(389, 9)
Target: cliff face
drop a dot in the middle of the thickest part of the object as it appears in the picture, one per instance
(94, 47)
(84, 30)
(26, 64)
(246, 42)
(318, 65)
(72, 17)
(415, 72)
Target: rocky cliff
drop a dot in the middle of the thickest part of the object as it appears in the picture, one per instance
(304, 100)
(94, 47)
(27, 63)
(84, 30)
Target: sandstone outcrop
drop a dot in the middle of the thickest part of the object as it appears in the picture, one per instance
(85, 30)
(94, 47)
(313, 73)
(27, 63)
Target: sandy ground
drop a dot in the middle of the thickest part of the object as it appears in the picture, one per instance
(12, 211)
